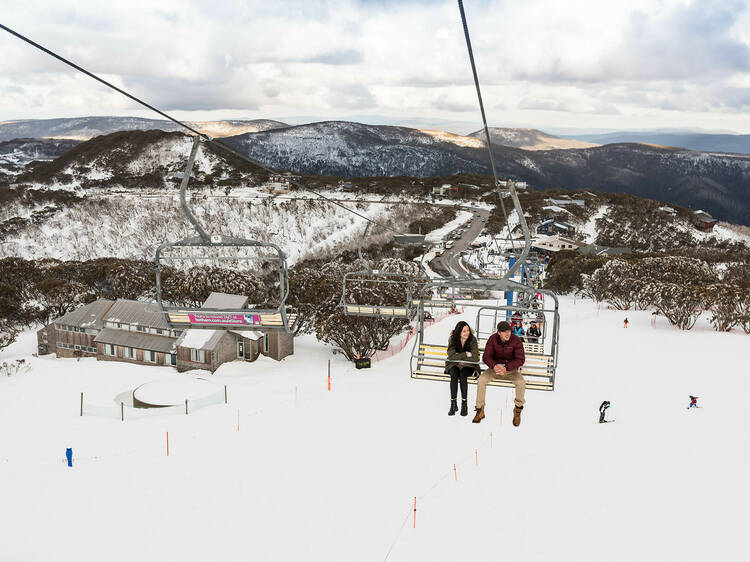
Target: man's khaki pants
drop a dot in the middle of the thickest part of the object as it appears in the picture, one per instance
(514, 376)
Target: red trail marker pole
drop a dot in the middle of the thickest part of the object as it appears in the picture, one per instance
(476, 457)
(329, 374)
(491, 436)
(455, 474)
(415, 512)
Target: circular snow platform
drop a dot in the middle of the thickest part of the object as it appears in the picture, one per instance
(172, 392)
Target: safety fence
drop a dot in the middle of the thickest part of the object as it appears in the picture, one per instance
(395, 348)
(124, 412)
(455, 473)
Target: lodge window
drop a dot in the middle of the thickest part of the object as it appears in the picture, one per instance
(140, 328)
(149, 356)
(109, 349)
(129, 353)
(198, 355)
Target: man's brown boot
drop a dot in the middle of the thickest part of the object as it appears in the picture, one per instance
(517, 415)
(479, 416)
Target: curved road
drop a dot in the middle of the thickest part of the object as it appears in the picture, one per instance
(447, 262)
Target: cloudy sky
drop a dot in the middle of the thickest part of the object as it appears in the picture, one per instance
(553, 65)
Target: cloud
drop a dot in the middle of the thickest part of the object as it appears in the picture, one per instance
(611, 62)
(343, 57)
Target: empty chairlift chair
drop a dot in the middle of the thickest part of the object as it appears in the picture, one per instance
(203, 248)
(381, 294)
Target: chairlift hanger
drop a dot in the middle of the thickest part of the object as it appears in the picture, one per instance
(428, 360)
(193, 248)
(375, 279)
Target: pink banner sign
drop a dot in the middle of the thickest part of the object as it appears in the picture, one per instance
(224, 319)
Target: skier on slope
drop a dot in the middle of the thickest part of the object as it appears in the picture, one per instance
(603, 411)
(693, 402)
(625, 323)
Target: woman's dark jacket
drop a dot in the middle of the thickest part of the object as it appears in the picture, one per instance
(456, 357)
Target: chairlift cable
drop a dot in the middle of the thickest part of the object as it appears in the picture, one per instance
(512, 188)
(484, 118)
(184, 125)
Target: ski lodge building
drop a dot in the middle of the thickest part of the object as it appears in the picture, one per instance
(136, 332)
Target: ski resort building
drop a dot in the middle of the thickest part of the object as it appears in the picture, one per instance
(703, 221)
(136, 332)
(555, 243)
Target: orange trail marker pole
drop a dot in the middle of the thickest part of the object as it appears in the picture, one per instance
(476, 457)
(167, 443)
(415, 512)
(329, 374)
(491, 436)
(455, 474)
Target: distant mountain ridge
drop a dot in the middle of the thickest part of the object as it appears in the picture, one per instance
(529, 139)
(704, 142)
(717, 183)
(84, 128)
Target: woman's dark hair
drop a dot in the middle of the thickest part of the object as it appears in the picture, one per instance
(455, 340)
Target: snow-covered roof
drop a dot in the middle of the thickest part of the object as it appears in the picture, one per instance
(248, 334)
(136, 313)
(88, 316)
(225, 300)
(200, 339)
(137, 340)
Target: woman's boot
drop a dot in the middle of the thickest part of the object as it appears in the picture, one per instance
(454, 407)
(464, 408)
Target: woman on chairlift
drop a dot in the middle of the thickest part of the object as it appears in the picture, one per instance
(462, 362)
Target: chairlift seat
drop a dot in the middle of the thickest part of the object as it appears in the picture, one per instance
(261, 320)
(537, 370)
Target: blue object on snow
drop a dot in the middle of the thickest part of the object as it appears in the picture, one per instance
(69, 456)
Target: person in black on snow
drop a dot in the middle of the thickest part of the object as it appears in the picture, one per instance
(533, 332)
(693, 402)
(603, 411)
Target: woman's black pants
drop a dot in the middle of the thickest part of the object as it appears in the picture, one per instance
(461, 375)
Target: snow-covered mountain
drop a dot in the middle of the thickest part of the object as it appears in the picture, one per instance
(529, 139)
(717, 183)
(16, 154)
(84, 128)
(342, 148)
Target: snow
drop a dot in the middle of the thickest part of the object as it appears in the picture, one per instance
(318, 475)
(171, 392)
(556, 209)
(588, 230)
(436, 236)
(196, 339)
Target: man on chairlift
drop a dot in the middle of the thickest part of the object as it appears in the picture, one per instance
(504, 355)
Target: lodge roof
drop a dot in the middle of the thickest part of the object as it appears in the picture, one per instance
(88, 316)
(137, 313)
(139, 340)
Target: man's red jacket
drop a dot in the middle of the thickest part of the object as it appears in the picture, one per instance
(510, 353)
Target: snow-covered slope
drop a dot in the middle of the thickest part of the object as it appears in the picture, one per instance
(529, 139)
(311, 474)
(133, 226)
